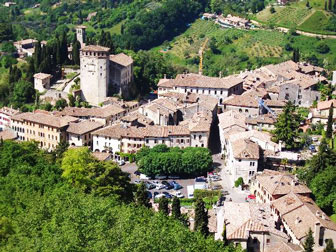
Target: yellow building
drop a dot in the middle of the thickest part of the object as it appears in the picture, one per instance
(47, 129)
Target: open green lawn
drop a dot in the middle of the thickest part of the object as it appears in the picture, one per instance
(238, 50)
(333, 217)
(116, 29)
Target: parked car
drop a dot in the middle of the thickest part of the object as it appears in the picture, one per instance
(225, 193)
(159, 195)
(312, 148)
(178, 194)
(216, 187)
(138, 181)
(167, 185)
(176, 185)
(144, 177)
(149, 185)
(138, 173)
(215, 178)
(160, 177)
(200, 179)
(121, 162)
(149, 195)
(167, 195)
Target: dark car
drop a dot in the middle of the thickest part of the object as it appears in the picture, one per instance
(175, 185)
(149, 195)
(167, 185)
(168, 195)
(200, 179)
(137, 173)
(154, 195)
(312, 148)
(149, 185)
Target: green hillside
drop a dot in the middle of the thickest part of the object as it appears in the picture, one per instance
(314, 18)
(232, 50)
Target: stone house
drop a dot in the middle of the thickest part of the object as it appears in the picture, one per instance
(79, 133)
(42, 81)
(5, 117)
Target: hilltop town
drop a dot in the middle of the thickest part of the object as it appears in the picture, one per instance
(107, 146)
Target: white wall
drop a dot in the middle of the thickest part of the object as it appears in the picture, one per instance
(99, 143)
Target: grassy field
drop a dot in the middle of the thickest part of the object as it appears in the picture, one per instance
(238, 50)
(297, 15)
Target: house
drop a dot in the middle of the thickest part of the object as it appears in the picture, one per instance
(219, 88)
(43, 127)
(91, 15)
(320, 114)
(42, 81)
(261, 122)
(106, 115)
(79, 133)
(5, 117)
(9, 4)
(251, 225)
(233, 21)
(121, 73)
(25, 47)
(297, 213)
(242, 157)
(271, 185)
(102, 156)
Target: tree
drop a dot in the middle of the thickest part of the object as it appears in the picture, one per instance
(239, 182)
(176, 208)
(61, 148)
(75, 52)
(224, 235)
(163, 205)
(23, 93)
(330, 246)
(201, 217)
(307, 4)
(72, 100)
(141, 196)
(296, 55)
(309, 242)
(329, 131)
(286, 127)
(61, 104)
(6, 228)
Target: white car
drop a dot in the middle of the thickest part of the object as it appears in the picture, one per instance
(121, 162)
(160, 186)
(159, 196)
(178, 194)
(144, 177)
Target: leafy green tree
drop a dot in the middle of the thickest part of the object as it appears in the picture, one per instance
(286, 127)
(201, 217)
(6, 31)
(330, 246)
(141, 196)
(23, 93)
(72, 100)
(6, 228)
(329, 131)
(61, 104)
(163, 205)
(76, 46)
(239, 182)
(309, 242)
(61, 148)
(176, 208)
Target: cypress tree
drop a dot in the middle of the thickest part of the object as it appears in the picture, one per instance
(141, 197)
(201, 217)
(330, 246)
(330, 122)
(176, 208)
(309, 242)
(163, 205)
(64, 48)
(325, 5)
(75, 52)
(225, 240)
(37, 55)
(330, 5)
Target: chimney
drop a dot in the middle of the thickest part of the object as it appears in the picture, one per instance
(220, 74)
(323, 216)
(280, 145)
(318, 214)
(297, 220)
(165, 76)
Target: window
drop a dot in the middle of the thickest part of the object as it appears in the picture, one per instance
(200, 137)
(155, 141)
(239, 160)
(252, 163)
(251, 173)
(147, 141)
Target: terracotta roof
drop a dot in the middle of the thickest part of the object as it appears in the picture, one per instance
(301, 213)
(102, 156)
(42, 76)
(81, 27)
(83, 127)
(248, 99)
(95, 48)
(9, 111)
(326, 104)
(104, 112)
(25, 42)
(275, 103)
(201, 81)
(245, 149)
(266, 119)
(231, 118)
(122, 59)
(242, 231)
(274, 89)
(278, 183)
(7, 134)
(45, 119)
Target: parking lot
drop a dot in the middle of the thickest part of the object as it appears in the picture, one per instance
(226, 184)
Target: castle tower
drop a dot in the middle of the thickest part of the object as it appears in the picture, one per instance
(81, 34)
(94, 73)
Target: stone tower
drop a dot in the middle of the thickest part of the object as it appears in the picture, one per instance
(81, 34)
(94, 73)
